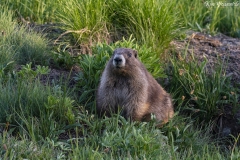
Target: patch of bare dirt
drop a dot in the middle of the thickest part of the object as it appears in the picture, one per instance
(212, 48)
(58, 76)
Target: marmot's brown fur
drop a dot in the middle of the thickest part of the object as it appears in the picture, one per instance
(127, 85)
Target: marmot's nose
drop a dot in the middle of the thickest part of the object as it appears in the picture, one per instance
(118, 60)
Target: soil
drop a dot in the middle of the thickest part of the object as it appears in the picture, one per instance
(212, 48)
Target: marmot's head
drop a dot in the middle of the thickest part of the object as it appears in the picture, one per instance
(124, 61)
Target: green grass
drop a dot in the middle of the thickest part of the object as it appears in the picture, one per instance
(153, 23)
(6, 51)
(40, 11)
(143, 19)
(34, 109)
(114, 138)
(86, 20)
(20, 45)
(55, 121)
(210, 16)
(229, 23)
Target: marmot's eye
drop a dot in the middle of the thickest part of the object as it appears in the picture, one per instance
(129, 54)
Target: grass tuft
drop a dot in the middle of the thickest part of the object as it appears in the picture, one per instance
(86, 20)
(20, 45)
(40, 11)
(152, 22)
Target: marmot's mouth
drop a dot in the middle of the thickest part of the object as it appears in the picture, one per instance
(118, 67)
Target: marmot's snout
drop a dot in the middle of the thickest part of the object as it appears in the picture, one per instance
(119, 61)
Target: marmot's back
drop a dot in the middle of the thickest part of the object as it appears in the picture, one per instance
(127, 86)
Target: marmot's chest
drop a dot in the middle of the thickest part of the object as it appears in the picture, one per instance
(121, 91)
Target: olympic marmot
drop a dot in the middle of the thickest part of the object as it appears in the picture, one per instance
(127, 85)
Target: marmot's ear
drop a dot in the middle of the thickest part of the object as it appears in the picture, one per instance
(135, 53)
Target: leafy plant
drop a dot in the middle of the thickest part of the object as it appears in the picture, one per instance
(88, 78)
(28, 73)
(114, 137)
(117, 137)
(7, 73)
(62, 58)
(61, 107)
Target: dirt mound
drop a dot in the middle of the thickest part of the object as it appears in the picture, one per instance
(212, 48)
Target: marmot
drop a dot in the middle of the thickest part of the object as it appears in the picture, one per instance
(126, 85)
